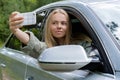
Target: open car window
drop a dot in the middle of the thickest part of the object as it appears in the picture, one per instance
(79, 35)
(37, 29)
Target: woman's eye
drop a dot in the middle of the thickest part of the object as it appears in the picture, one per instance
(54, 23)
(64, 23)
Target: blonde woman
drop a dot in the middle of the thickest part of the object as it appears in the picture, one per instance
(57, 31)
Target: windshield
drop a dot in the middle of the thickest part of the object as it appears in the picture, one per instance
(110, 16)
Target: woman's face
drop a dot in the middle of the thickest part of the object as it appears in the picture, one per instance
(58, 25)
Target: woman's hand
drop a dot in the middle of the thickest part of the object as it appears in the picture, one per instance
(15, 21)
(15, 24)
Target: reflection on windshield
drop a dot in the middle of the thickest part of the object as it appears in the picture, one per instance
(110, 15)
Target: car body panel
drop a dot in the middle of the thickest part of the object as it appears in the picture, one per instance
(17, 65)
(11, 66)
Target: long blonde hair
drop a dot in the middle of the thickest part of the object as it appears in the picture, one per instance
(49, 39)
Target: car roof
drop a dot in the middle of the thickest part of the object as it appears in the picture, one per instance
(95, 2)
(64, 2)
(91, 1)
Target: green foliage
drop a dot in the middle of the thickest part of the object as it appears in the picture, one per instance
(8, 6)
(1, 44)
(44, 2)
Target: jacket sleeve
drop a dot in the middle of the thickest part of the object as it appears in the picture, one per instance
(34, 46)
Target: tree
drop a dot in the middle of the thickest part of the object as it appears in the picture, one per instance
(8, 6)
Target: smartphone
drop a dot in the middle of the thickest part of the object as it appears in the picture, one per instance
(29, 18)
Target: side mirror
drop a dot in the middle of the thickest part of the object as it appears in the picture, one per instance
(63, 58)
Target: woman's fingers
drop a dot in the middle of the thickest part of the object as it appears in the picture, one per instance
(16, 23)
(15, 19)
(14, 14)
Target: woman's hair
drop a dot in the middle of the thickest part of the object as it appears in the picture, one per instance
(49, 39)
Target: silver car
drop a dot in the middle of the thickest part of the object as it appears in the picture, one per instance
(100, 20)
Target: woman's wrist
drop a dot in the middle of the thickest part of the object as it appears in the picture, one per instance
(15, 30)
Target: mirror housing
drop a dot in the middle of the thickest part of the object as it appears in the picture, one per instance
(63, 58)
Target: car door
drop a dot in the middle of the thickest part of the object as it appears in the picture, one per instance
(12, 62)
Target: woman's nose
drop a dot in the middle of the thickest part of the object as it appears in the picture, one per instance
(59, 25)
